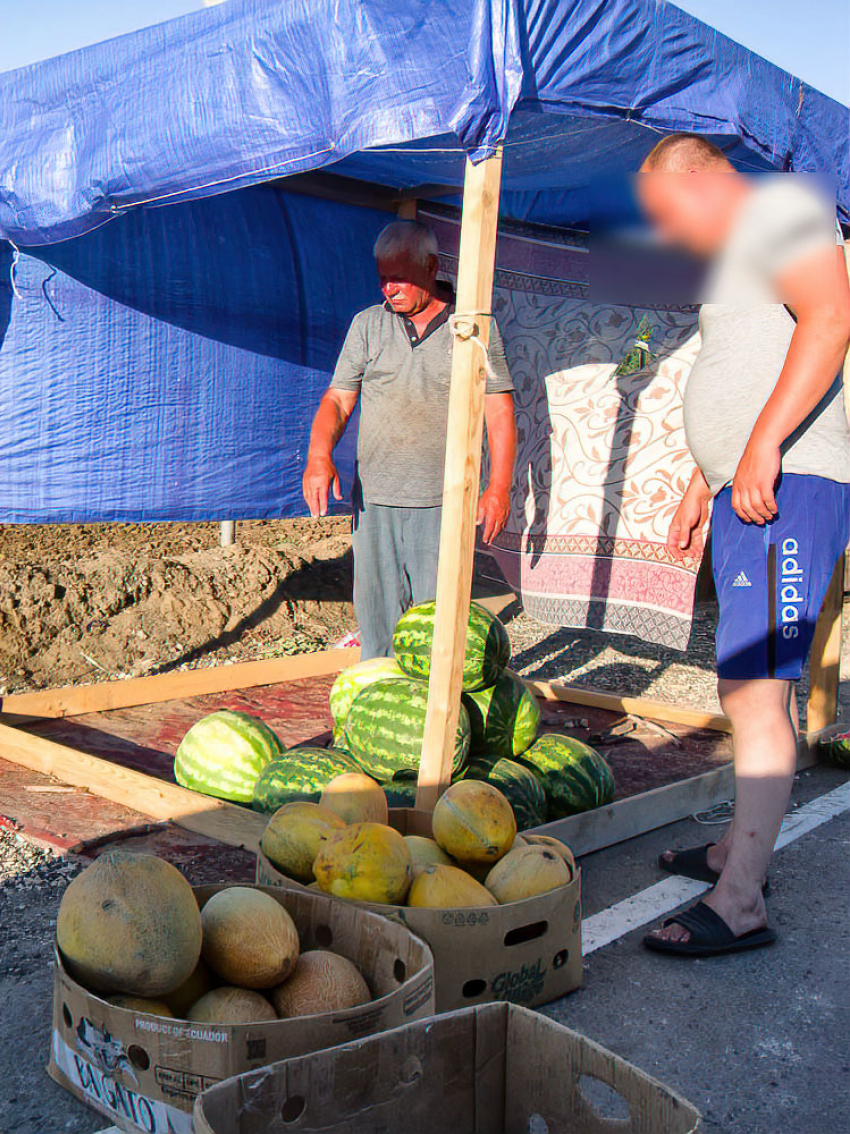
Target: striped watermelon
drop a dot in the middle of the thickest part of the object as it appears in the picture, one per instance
(223, 754)
(299, 774)
(401, 792)
(834, 746)
(574, 776)
(504, 718)
(357, 677)
(520, 786)
(487, 647)
(385, 727)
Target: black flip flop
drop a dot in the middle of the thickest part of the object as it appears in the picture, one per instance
(693, 863)
(710, 936)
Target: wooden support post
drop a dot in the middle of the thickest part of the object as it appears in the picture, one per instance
(825, 659)
(408, 208)
(476, 266)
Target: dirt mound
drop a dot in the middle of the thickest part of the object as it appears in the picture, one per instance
(89, 602)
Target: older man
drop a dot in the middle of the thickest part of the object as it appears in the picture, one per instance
(765, 422)
(396, 360)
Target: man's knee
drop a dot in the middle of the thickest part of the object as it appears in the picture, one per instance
(743, 698)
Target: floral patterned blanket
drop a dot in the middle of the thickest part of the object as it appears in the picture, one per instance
(602, 458)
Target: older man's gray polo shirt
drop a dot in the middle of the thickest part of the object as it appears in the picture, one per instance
(403, 382)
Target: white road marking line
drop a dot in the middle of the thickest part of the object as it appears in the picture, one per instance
(654, 902)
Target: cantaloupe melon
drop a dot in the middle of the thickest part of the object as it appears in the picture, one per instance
(473, 822)
(447, 888)
(228, 1005)
(129, 923)
(294, 834)
(249, 938)
(141, 1004)
(322, 982)
(558, 847)
(199, 984)
(426, 852)
(366, 862)
(356, 798)
(526, 872)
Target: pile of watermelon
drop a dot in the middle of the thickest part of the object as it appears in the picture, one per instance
(379, 709)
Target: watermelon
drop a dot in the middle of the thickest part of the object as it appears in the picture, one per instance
(574, 776)
(385, 727)
(299, 775)
(504, 718)
(357, 677)
(519, 785)
(223, 753)
(834, 746)
(401, 792)
(487, 647)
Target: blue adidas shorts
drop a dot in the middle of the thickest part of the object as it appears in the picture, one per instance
(771, 580)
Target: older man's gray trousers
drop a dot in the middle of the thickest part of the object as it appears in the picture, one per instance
(395, 566)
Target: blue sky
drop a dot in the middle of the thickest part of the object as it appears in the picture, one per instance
(810, 39)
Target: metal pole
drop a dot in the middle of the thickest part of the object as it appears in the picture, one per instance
(228, 533)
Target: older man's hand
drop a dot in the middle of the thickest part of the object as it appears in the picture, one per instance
(494, 507)
(320, 478)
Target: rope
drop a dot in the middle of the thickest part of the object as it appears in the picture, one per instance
(16, 255)
(464, 327)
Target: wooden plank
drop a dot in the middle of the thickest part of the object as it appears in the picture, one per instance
(626, 818)
(408, 208)
(637, 706)
(825, 658)
(76, 700)
(236, 826)
(465, 429)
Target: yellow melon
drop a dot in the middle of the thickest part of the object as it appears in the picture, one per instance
(322, 982)
(199, 984)
(129, 923)
(366, 862)
(557, 846)
(447, 888)
(249, 938)
(474, 823)
(426, 852)
(356, 798)
(525, 873)
(141, 1004)
(229, 1005)
(294, 834)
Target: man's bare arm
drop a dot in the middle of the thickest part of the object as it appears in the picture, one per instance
(320, 475)
(816, 290)
(495, 504)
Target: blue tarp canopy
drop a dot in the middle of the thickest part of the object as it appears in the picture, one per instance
(170, 310)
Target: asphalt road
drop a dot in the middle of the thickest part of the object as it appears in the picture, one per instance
(758, 1042)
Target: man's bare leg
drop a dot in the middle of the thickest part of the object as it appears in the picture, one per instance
(764, 740)
(719, 851)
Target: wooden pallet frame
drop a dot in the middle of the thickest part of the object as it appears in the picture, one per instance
(236, 826)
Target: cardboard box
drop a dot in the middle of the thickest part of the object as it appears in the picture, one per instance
(144, 1071)
(527, 952)
(498, 1069)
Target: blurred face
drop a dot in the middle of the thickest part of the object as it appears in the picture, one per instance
(407, 286)
(691, 210)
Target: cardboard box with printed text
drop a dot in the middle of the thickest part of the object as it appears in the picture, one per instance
(143, 1071)
(526, 952)
(496, 1069)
